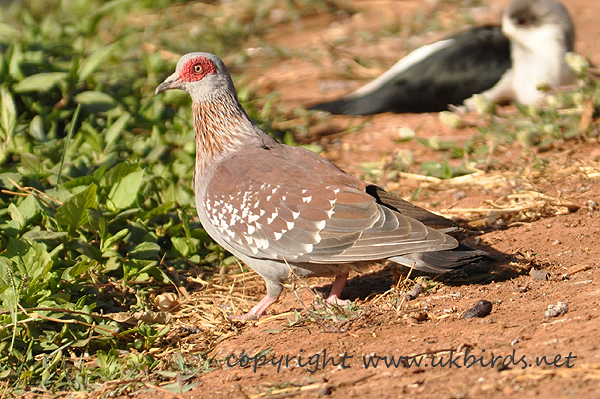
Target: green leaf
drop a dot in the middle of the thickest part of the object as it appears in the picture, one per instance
(95, 101)
(36, 128)
(125, 191)
(44, 235)
(145, 250)
(93, 61)
(114, 175)
(115, 130)
(8, 115)
(109, 242)
(80, 268)
(31, 163)
(124, 215)
(54, 253)
(67, 141)
(99, 173)
(80, 181)
(40, 82)
(8, 33)
(16, 215)
(185, 223)
(432, 168)
(32, 259)
(28, 207)
(5, 179)
(113, 263)
(185, 246)
(159, 210)
(98, 222)
(176, 387)
(10, 299)
(5, 272)
(72, 213)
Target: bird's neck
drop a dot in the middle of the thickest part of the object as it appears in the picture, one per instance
(222, 127)
(540, 53)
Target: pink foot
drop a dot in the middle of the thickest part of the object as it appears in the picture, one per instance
(337, 301)
(258, 310)
(336, 290)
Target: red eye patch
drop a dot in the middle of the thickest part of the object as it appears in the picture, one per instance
(195, 69)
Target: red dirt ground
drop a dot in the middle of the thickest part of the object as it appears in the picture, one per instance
(565, 245)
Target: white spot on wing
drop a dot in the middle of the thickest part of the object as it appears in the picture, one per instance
(261, 243)
(320, 225)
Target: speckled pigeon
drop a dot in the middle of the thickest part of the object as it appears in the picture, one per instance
(278, 207)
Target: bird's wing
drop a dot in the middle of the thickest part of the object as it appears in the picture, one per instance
(429, 219)
(287, 202)
(447, 73)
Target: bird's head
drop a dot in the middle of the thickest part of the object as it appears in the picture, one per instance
(199, 74)
(524, 20)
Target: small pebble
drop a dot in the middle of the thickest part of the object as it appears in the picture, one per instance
(482, 309)
(418, 316)
(167, 302)
(459, 195)
(538, 274)
(556, 310)
(191, 330)
(591, 205)
(324, 390)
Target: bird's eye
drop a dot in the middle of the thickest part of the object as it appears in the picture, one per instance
(198, 68)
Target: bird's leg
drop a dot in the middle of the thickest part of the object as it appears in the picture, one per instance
(336, 290)
(258, 310)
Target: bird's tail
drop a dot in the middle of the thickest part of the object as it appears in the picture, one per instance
(444, 261)
(352, 106)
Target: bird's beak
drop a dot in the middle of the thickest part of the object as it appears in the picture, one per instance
(172, 82)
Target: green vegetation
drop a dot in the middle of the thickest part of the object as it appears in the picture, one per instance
(95, 182)
(567, 115)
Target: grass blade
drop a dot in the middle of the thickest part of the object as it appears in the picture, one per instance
(67, 141)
